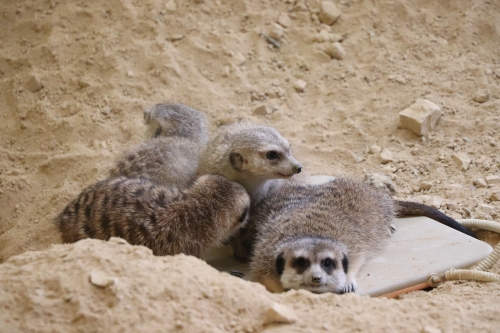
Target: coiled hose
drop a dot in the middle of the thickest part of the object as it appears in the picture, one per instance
(476, 272)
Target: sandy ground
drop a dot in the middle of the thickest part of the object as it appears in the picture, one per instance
(99, 64)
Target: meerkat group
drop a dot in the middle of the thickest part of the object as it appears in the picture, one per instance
(183, 191)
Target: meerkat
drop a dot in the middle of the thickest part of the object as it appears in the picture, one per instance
(165, 219)
(251, 155)
(317, 237)
(171, 156)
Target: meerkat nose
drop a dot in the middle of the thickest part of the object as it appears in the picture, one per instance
(316, 279)
(297, 169)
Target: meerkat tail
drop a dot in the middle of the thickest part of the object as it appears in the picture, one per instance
(408, 208)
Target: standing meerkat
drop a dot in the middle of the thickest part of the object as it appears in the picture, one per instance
(251, 155)
(171, 156)
(317, 237)
(165, 219)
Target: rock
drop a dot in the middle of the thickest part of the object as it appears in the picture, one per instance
(300, 85)
(488, 209)
(276, 32)
(171, 6)
(83, 84)
(99, 279)
(452, 205)
(284, 20)
(328, 13)
(425, 185)
(239, 59)
(482, 96)
(278, 313)
(486, 165)
(386, 156)
(493, 179)
(461, 160)
(262, 110)
(435, 202)
(375, 149)
(34, 84)
(480, 182)
(481, 160)
(380, 181)
(420, 117)
(495, 195)
(335, 50)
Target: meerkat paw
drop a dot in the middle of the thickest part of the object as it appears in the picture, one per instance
(392, 228)
(350, 287)
(236, 273)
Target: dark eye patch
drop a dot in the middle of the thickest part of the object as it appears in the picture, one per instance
(345, 263)
(272, 155)
(280, 264)
(328, 265)
(300, 264)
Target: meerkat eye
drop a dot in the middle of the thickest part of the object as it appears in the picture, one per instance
(272, 155)
(300, 262)
(328, 263)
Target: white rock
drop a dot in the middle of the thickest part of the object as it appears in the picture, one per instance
(278, 313)
(375, 149)
(461, 160)
(495, 195)
(262, 110)
(486, 165)
(436, 202)
(284, 20)
(386, 156)
(420, 117)
(171, 6)
(488, 209)
(335, 50)
(480, 182)
(99, 279)
(329, 13)
(482, 96)
(276, 32)
(34, 84)
(493, 179)
(300, 85)
(425, 185)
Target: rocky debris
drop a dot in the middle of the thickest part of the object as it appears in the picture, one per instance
(425, 185)
(420, 117)
(493, 179)
(375, 149)
(328, 13)
(279, 314)
(495, 195)
(284, 20)
(263, 110)
(433, 201)
(480, 182)
(461, 160)
(34, 84)
(482, 96)
(386, 156)
(99, 279)
(380, 181)
(335, 50)
(276, 32)
(300, 85)
(488, 209)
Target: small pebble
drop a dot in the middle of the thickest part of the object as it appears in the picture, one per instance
(493, 179)
(386, 156)
(278, 313)
(171, 6)
(335, 50)
(495, 195)
(284, 20)
(276, 32)
(300, 85)
(329, 13)
(425, 185)
(34, 84)
(461, 160)
(482, 96)
(488, 209)
(480, 182)
(262, 110)
(239, 59)
(99, 279)
(375, 149)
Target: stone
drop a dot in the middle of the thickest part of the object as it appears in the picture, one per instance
(171, 6)
(488, 209)
(420, 117)
(480, 182)
(34, 84)
(486, 165)
(436, 202)
(493, 179)
(335, 50)
(375, 149)
(284, 20)
(481, 160)
(300, 85)
(276, 32)
(262, 110)
(482, 96)
(425, 185)
(495, 195)
(328, 13)
(386, 156)
(239, 59)
(279, 314)
(99, 279)
(461, 160)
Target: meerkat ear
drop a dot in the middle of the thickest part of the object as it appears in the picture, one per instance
(280, 264)
(236, 161)
(345, 263)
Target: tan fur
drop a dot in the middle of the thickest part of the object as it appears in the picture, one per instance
(240, 152)
(165, 219)
(171, 157)
(317, 222)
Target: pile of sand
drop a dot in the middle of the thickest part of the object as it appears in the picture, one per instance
(76, 76)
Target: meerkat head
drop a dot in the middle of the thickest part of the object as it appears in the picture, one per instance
(315, 264)
(175, 120)
(263, 153)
